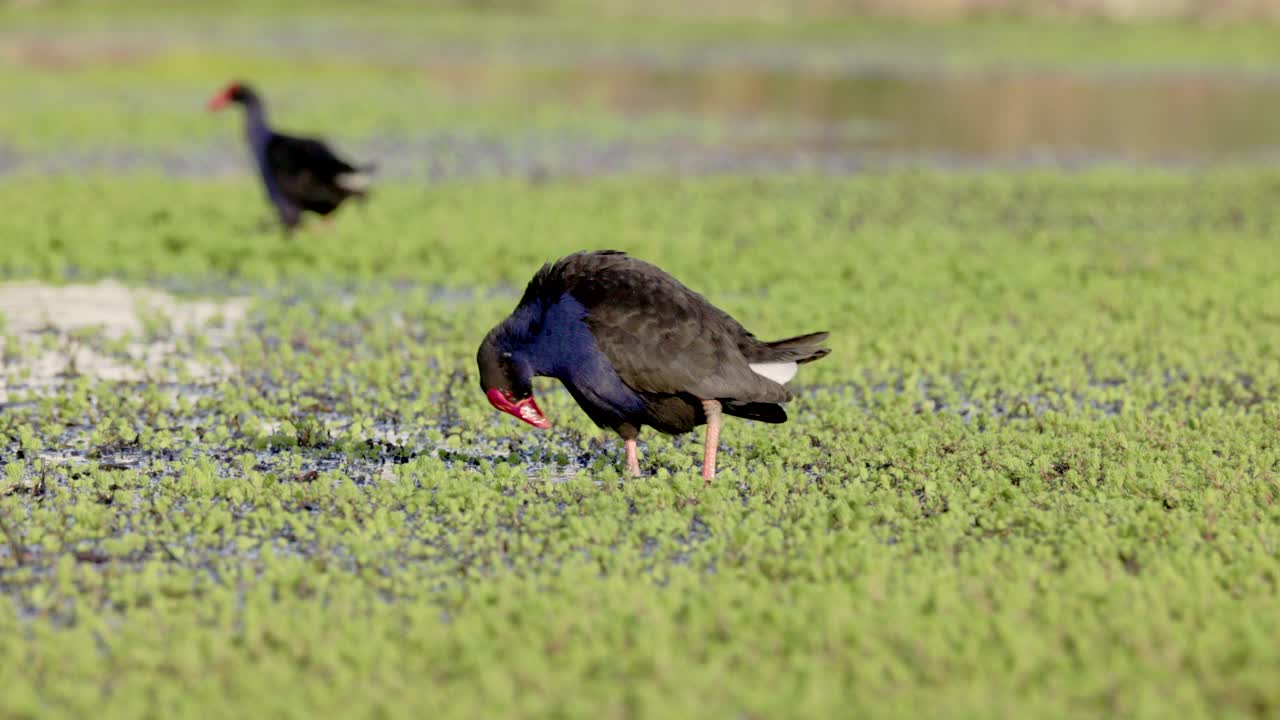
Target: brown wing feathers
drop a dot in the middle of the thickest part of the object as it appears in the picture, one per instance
(662, 337)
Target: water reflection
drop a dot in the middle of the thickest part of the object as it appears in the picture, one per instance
(978, 115)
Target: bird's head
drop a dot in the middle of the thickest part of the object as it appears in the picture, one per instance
(236, 92)
(506, 379)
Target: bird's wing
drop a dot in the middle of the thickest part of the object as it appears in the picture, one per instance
(660, 336)
(305, 169)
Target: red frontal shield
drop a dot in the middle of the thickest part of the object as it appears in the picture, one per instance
(222, 99)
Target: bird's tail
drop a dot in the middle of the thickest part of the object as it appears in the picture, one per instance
(799, 349)
(358, 181)
(779, 360)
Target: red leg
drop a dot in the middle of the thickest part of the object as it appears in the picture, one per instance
(711, 408)
(633, 458)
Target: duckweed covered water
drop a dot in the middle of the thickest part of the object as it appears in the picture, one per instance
(1036, 477)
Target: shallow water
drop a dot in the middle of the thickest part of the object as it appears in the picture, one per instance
(977, 115)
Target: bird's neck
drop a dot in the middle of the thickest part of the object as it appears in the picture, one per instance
(562, 346)
(560, 343)
(255, 126)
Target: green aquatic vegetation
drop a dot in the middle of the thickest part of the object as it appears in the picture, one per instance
(1037, 476)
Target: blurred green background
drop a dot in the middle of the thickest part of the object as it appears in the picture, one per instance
(588, 88)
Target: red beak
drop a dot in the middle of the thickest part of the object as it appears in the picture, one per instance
(221, 100)
(526, 409)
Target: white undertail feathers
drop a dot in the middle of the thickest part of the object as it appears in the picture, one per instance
(353, 181)
(779, 372)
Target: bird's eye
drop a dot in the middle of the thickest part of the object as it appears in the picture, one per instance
(506, 356)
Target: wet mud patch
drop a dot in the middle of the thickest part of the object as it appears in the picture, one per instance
(53, 335)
